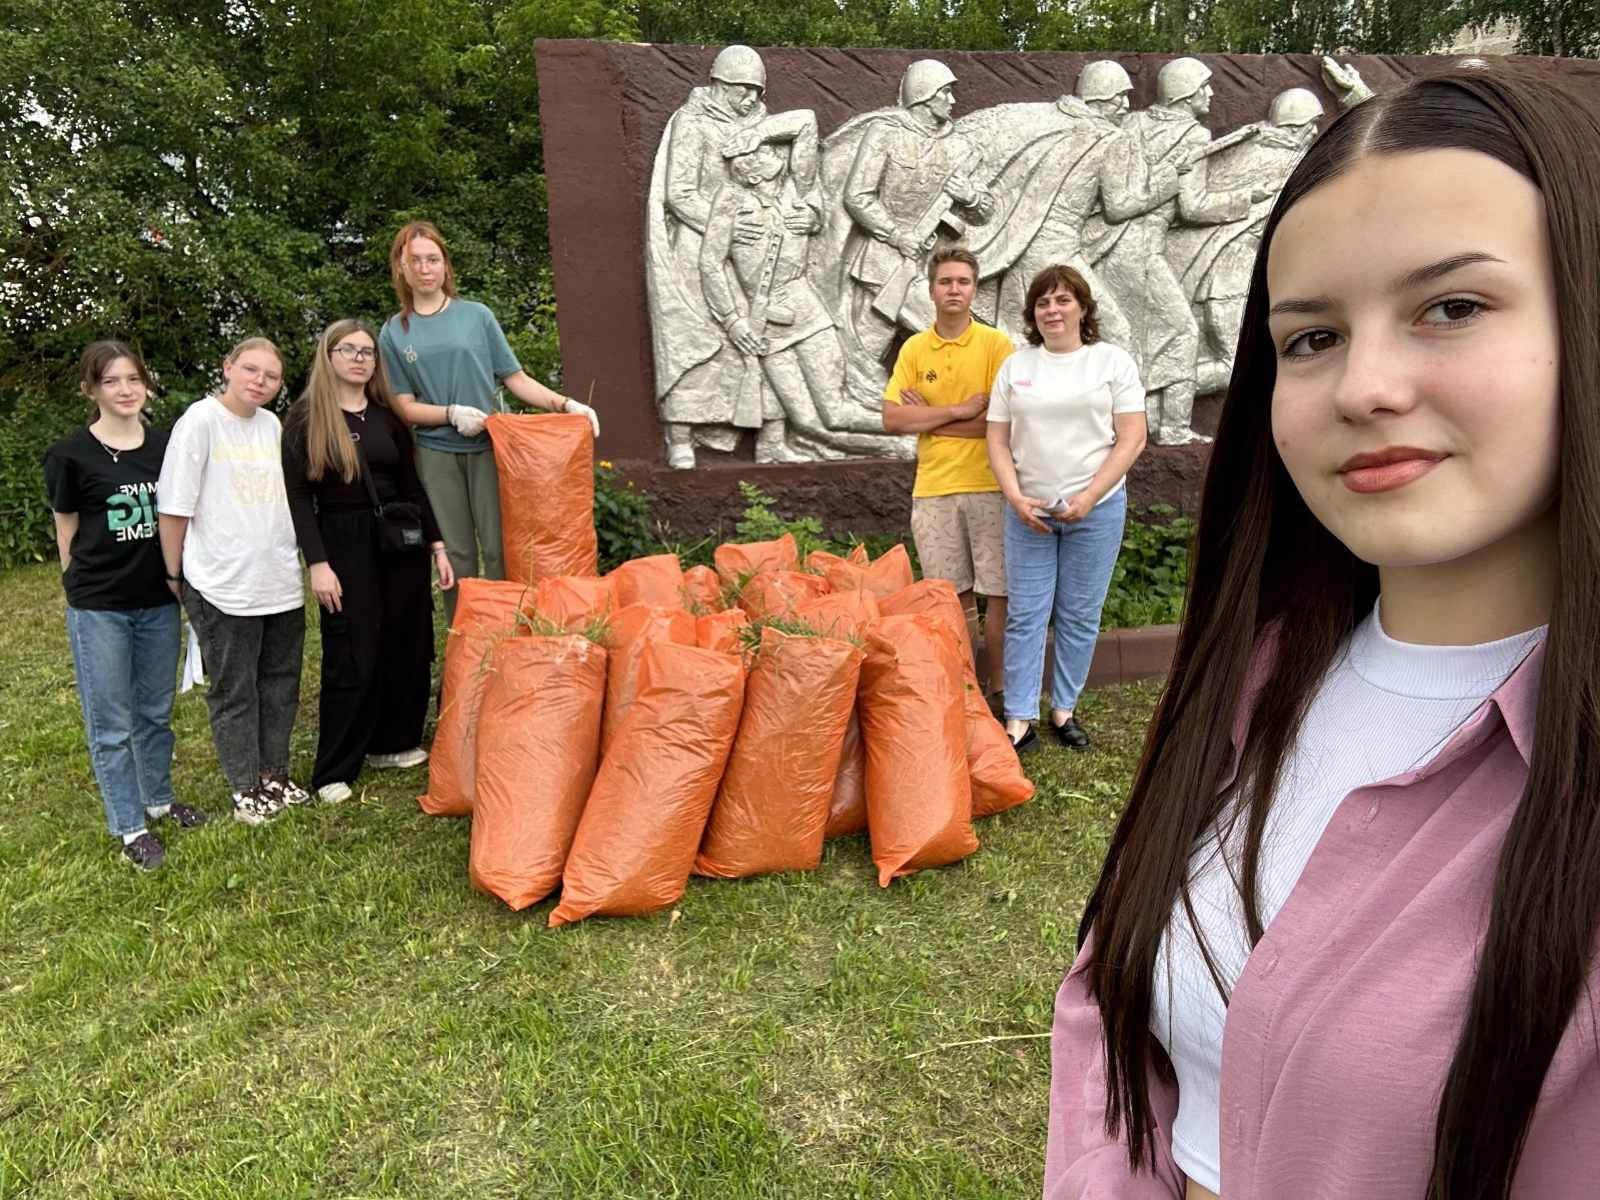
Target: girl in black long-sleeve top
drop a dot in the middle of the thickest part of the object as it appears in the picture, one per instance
(377, 609)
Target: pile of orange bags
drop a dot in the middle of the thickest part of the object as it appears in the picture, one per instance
(610, 736)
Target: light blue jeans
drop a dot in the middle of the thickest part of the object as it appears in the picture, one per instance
(1065, 573)
(127, 668)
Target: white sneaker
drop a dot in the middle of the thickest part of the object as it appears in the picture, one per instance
(413, 757)
(334, 793)
(256, 806)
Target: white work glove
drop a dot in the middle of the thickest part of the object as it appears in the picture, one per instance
(577, 406)
(468, 421)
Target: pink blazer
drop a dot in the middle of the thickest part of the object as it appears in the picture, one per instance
(1341, 1028)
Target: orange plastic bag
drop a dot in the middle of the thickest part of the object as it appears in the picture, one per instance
(648, 808)
(702, 590)
(998, 782)
(820, 560)
(657, 579)
(486, 613)
(938, 598)
(538, 749)
(573, 601)
(839, 614)
(630, 630)
(890, 572)
(885, 576)
(735, 560)
(720, 630)
(546, 468)
(772, 807)
(778, 593)
(847, 810)
(919, 794)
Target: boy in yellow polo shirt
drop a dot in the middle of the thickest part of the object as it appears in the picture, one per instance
(940, 391)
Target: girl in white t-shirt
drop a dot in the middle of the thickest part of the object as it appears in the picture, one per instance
(1066, 421)
(231, 557)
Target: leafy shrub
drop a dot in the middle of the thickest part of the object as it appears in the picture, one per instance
(761, 524)
(1152, 571)
(29, 422)
(624, 521)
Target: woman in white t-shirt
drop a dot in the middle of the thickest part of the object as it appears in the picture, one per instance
(1066, 421)
(232, 559)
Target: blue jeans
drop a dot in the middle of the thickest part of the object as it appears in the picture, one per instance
(127, 668)
(1066, 573)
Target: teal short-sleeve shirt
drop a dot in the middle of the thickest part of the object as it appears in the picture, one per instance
(459, 355)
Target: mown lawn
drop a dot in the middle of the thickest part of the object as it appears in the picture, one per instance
(324, 1007)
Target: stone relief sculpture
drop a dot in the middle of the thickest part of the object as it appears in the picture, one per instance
(1346, 82)
(781, 266)
(907, 184)
(1065, 171)
(697, 371)
(753, 263)
(1166, 335)
(1214, 262)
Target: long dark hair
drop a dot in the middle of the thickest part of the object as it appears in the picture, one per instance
(316, 416)
(1266, 573)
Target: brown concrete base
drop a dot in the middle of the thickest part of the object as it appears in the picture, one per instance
(860, 497)
(1129, 655)
(1121, 656)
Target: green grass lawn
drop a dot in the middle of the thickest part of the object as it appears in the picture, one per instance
(324, 1007)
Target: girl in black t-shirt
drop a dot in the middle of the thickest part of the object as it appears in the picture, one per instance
(343, 444)
(122, 613)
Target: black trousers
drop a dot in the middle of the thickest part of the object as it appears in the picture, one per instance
(376, 653)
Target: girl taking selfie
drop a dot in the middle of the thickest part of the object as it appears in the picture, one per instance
(1343, 943)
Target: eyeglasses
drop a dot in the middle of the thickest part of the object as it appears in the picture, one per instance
(432, 260)
(355, 353)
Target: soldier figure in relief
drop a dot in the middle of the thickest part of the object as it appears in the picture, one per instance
(1166, 335)
(1214, 262)
(1065, 172)
(697, 370)
(911, 185)
(753, 273)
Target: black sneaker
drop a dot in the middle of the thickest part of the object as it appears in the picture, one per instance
(1070, 734)
(285, 790)
(186, 816)
(145, 851)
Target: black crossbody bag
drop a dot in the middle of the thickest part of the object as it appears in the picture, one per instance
(399, 521)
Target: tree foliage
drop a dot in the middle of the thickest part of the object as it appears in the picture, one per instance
(187, 172)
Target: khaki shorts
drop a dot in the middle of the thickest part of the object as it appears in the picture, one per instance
(962, 538)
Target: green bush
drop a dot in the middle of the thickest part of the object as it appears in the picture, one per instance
(760, 523)
(624, 521)
(29, 422)
(1152, 571)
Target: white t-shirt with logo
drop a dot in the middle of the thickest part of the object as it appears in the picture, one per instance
(1060, 408)
(225, 473)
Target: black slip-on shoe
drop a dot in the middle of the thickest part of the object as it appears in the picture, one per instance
(1070, 734)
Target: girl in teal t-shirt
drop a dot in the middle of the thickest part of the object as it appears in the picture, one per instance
(447, 358)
